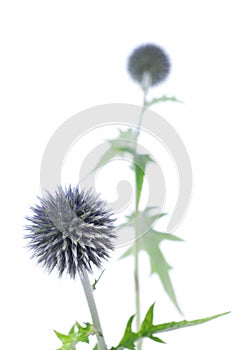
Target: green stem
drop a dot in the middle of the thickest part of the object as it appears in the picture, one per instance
(136, 274)
(136, 243)
(140, 119)
(93, 309)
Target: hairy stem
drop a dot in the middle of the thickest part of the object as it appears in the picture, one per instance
(93, 309)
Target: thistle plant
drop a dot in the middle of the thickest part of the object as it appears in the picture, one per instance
(72, 230)
(148, 65)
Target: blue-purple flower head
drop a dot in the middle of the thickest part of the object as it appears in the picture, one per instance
(149, 62)
(71, 230)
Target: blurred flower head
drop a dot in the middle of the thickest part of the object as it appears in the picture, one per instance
(70, 230)
(149, 65)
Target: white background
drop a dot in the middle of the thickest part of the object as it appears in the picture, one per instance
(61, 57)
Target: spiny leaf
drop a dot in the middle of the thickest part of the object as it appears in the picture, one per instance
(140, 162)
(84, 332)
(148, 329)
(170, 326)
(146, 219)
(62, 337)
(128, 134)
(70, 346)
(146, 326)
(72, 330)
(74, 336)
(148, 320)
(158, 340)
(150, 243)
(129, 337)
(123, 144)
(162, 99)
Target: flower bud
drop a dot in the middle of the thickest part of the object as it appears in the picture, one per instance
(149, 65)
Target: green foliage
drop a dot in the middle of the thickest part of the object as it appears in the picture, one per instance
(149, 330)
(76, 334)
(125, 144)
(161, 99)
(150, 243)
(97, 280)
(129, 338)
(122, 145)
(140, 162)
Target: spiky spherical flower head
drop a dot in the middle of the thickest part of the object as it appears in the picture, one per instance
(71, 230)
(149, 62)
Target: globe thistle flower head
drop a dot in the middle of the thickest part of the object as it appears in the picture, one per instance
(71, 230)
(149, 65)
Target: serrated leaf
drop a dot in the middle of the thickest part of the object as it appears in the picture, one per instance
(129, 337)
(123, 144)
(62, 337)
(140, 162)
(146, 326)
(148, 329)
(146, 219)
(158, 340)
(158, 263)
(72, 330)
(162, 99)
(84, 332)
(148, 320)
(150, 243)
(74, 336)
(170, 326)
